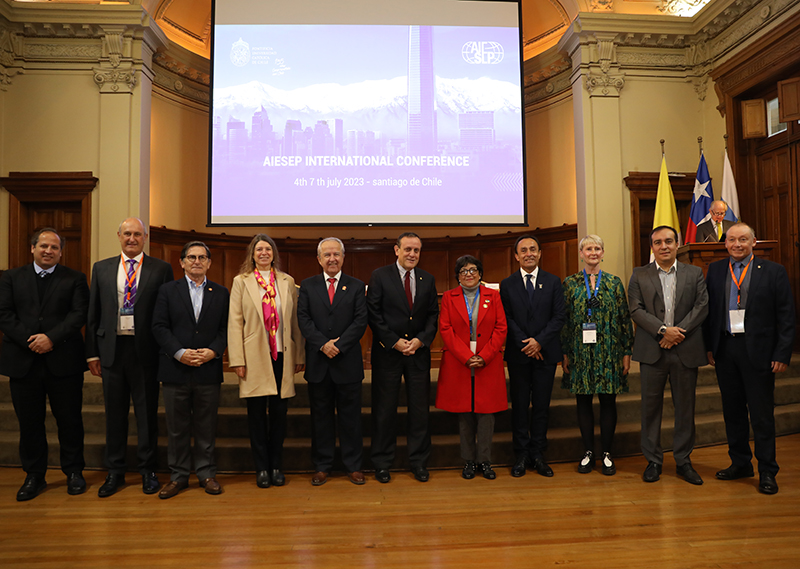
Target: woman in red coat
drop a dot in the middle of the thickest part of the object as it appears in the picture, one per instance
(472, 379)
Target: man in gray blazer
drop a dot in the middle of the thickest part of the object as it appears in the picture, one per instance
(668, 303)
(714, 229)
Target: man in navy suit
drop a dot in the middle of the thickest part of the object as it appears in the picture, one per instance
(121, 349)
(534, 305)
(42, 310)
(403, 309)
(190, 323)
(332, 315)
(749, 335)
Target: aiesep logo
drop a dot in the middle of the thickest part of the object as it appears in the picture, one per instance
(482, 52)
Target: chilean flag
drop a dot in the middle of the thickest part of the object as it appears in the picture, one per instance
(703, 196)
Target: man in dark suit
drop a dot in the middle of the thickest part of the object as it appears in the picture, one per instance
(332, 315)
(749, 335)
(403, 314)
(534, 305)
(42, 310)
(121, 349)
(190, 323)
(668, 303)
(714, 229)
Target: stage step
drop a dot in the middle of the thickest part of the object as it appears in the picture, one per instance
(233, 450)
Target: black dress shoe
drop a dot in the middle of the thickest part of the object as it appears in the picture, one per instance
(33, 485)
(766, 484)
(541, 467)
(382, 475)
(486, 469)
(262, 479)
(469, 471)
(150, 483)
(420, 473)
(76, 484)
(734, 472)
(111, 485)
(586, 465)
(609, 468)
(652, 473)
(519, 468)
(276, 477)
(689, 474)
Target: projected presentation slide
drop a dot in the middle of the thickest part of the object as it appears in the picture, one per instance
(366, 124)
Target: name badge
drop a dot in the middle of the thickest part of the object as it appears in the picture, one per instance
(473, 346)
(737, 321)
(126, 319)
(590, 333)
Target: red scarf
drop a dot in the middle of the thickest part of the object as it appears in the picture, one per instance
(271, 318)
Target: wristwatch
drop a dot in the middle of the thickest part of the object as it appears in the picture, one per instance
(662, 331)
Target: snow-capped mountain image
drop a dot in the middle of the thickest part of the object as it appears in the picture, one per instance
(378, 105)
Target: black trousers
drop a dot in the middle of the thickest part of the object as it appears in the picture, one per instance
(267, 432)
(191, 410)
(387, 374)
(336, 405)
(29, 395)
(530, 384)
(125, 381)
(744, 388)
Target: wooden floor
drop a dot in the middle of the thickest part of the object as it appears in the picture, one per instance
(574, 520)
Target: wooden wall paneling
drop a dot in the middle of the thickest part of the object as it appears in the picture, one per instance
(789, 100)
(754, 118)
(59, 199)
(496, 263)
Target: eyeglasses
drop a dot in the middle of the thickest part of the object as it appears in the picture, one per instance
(193, 258)
(718, 213)
(465, 272)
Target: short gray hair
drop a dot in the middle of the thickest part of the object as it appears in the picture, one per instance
(591, 240)
(339, 241)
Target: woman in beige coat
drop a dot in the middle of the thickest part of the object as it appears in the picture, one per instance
(265, 349)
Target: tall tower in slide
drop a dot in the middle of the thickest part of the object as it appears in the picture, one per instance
(422, 136)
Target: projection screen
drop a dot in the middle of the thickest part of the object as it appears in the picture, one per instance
(366, 112)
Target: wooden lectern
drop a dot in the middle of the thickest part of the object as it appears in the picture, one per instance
(703, 254)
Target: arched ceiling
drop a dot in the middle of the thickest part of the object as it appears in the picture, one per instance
(188, 22)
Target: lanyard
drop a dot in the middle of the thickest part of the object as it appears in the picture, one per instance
(471, 309)
(132, 280)
(590, 297)
(739, 282)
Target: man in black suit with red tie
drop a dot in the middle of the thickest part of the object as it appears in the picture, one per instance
(749, 335)
(190, 323)
(121, 349)
(332, 315)
(534, 304)
(42, 310)
(403, 313)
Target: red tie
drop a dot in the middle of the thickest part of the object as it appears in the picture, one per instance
(331, 288)
(408, 290)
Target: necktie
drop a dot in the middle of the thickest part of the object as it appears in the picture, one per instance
(43, 274)
(719, 231)
(408, 290)
(331, 288)
(130, 286)
(529, 287)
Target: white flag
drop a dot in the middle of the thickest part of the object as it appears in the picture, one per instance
(729, 194)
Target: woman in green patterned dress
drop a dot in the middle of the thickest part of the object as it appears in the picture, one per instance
(597, 341)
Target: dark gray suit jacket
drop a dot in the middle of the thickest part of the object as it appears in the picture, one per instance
(646, 301)
(706, 233)
(101, 327)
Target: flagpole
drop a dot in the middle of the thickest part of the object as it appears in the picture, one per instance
(725, 136)
(700, 144)
(662, 148)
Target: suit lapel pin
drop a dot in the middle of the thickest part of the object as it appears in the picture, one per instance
(210, 289)
(540, 286)
(344, 287)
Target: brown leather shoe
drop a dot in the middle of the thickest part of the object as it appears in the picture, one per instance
(357, 477)
(172, 489)
(211, 485)
(319, 478)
